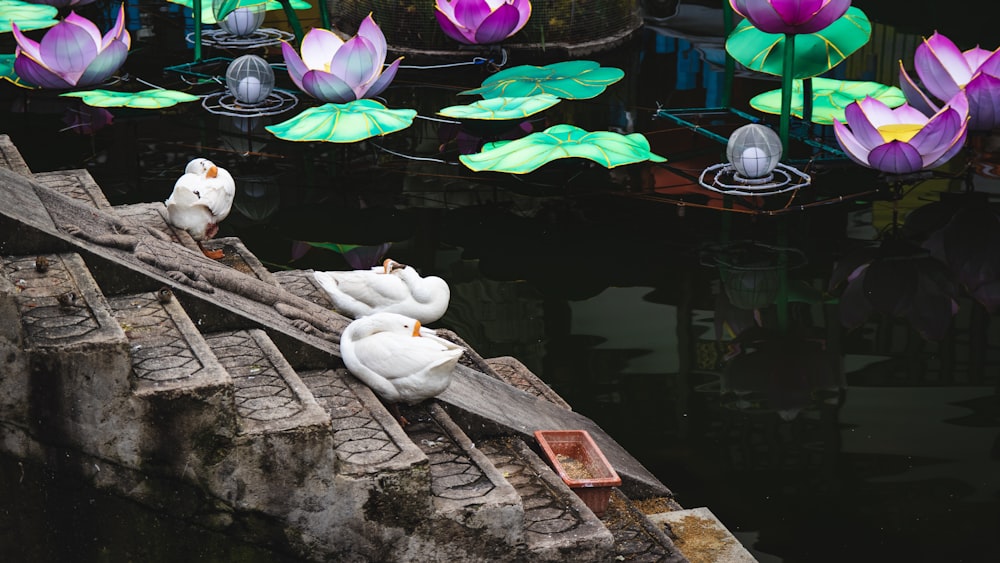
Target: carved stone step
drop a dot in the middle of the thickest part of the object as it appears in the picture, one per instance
(467, 489)
(302, 283)
(558, 525)
(77, 184)
(10, 157)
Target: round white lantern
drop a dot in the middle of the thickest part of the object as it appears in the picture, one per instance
(241, 22)
(754, 151)
(250, 79)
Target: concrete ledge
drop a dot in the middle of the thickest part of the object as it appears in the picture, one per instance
(702, 537)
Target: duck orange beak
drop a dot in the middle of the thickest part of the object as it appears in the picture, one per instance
(416, 328)
(212, 172)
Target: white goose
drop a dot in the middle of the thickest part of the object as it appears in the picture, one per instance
(201, 199)
(392, 287)
(398, 359)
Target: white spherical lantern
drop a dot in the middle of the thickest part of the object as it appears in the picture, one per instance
(754, 151)
(241, 22)
(250, 79)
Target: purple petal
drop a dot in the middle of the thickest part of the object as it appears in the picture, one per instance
(470, 13)
(991, 65)
(451, 29)
(383, 81)
(895, 157)
(861, 125)
(67, 49)
(35, 73)
(914, 95)
(854, 150)
(318, 48)
(373, 33)
(498, 26)
(327, 88)
(983, 92)
(85, 25)
(355, 63)
(524, 11)
(941, 67)
(104, 65)
(30, 47)
(934, 139)
(296, 68)
(791, 16)
(117, 31)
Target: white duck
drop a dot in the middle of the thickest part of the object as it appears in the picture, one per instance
(392, 287)
(201, 199)
(401, 361)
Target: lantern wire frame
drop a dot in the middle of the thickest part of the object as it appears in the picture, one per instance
(224, 103)
(262, 37)
(723, 178)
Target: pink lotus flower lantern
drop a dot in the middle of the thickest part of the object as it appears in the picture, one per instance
(333, 70)
(791, 16)
(481, 22)
(72, 53)
(944, 70)
(902, 140)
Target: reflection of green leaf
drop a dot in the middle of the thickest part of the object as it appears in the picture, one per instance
(571, 80)
(208, 14)
(27, 16)
(7, 72)
(502, 108)
(336, 247)
(815, 53)
(830, 97)
(561, 141)
(147, 99)
(343, 123)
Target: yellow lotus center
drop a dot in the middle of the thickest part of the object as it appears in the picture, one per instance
(899, 131)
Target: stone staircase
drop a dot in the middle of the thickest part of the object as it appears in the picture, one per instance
(154, 390)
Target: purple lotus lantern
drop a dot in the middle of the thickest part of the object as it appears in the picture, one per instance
(481, 22)
(72, 53)
(333, 70)
(902, 140)
(791, 16)
(944, 70)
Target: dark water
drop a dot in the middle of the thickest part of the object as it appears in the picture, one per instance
(871, 444)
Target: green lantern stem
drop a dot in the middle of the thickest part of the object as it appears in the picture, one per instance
(293, 19)
(727, 26)
(196, 8)
(787, 77)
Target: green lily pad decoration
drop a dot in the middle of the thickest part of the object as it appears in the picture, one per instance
(571, 80)
(147, 99)
(7, 72)
(502, 108)
(27, 16)
(208, 14)
(815, 53)
(527, 154)
(343, 123)
(830, 97)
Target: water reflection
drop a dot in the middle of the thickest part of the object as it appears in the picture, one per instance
(594, 280)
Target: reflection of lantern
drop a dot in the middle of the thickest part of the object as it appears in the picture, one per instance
(250, 79)
(751, 272)
(754, 150)
(241, 22)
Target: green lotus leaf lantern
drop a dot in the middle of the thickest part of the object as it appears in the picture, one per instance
(571, 80)
(502, 108)
(815, 53)
(208, 13)
(343, 123)
(830, 97)
(27, 16)
(146, 99)
(529, 153)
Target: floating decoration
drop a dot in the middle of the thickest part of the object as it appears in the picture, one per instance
(481, 22)
(240, 21)
(147, 99)
(571, 80)
(754, 167)
(829, 98)
(7, 72)
(561, 141)
(208, 10)
(72, 53)
(250, 79)
(791, 17)
(944, 70)
(502, 108)
(815, 53)
(27, 15)
(344, 123)
(333, 70)
(902, 140)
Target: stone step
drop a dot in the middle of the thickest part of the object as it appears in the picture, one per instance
(10, 157)
(700, 536)
(77, 184)
(302, 284)
(558, 526)
(469, 493)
